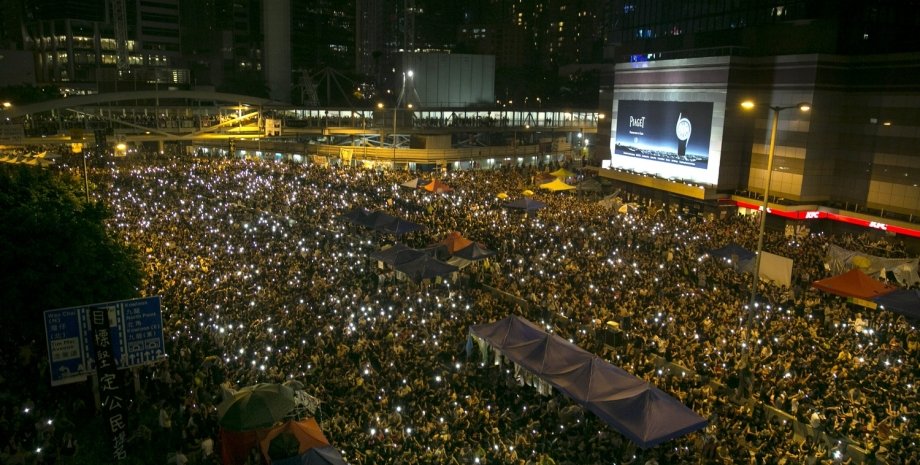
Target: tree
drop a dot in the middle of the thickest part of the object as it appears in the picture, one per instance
(55, 252)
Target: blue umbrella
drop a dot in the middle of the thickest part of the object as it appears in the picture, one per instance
(325, 455)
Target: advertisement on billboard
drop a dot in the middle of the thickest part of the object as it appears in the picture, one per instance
(669, 132)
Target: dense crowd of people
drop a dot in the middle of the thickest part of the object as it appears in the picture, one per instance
(262, 282)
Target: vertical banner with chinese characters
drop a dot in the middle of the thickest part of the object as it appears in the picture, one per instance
(111, 382)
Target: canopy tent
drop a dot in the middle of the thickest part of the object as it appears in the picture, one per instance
(323, 455)
(854, 283)
(455, 241)
(474, 251)
(557, 185)
(591, 185)
(399, 226)
(460, 263)
(398, 254)
(525, 203)
(367, 218)
(733, 251)
(306, 432)
(356, 215)
(380, 221)
(438, 187)
(741, 259)
(638, 410)
(902, 301)
(425, 267)
(415, 183)
(562, 173)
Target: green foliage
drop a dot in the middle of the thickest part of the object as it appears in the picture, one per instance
(55, 252)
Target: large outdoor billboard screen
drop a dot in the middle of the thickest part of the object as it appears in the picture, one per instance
(671, 139)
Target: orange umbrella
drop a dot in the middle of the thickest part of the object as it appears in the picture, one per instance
(307, 432)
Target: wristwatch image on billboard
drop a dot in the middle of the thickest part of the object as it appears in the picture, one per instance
(683, 134)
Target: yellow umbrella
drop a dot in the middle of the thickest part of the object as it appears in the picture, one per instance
(861, 262)
(527, 192)
(502, 195)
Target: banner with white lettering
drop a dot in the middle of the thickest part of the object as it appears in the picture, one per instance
(111, 381)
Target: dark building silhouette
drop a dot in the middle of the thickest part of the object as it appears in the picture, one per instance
(856, 62)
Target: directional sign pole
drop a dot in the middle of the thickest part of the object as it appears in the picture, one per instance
(136, 338)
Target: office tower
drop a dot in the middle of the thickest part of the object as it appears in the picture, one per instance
(276, 27)
(855, 62)
(655, 27)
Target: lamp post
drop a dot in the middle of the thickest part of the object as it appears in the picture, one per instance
(402, 93)
(748, 105)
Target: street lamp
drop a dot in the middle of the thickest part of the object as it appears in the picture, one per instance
(749, 105)
(402, 93)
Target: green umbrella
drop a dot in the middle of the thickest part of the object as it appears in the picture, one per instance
(257, 406)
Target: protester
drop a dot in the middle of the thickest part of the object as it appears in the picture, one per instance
(261, 282)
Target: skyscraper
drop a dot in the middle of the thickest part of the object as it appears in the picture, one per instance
(855, 62)
(755, 27)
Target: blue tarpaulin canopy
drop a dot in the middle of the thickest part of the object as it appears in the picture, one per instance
(355, 215)
(903, 302)
(399, 226)
(641, 412)
(741, 259)
(399, 254)
(380, 221)
(733, 250)
(474, 251)
(525, 203)
(425, 267)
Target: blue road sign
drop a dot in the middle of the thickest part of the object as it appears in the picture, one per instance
(136, 333)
